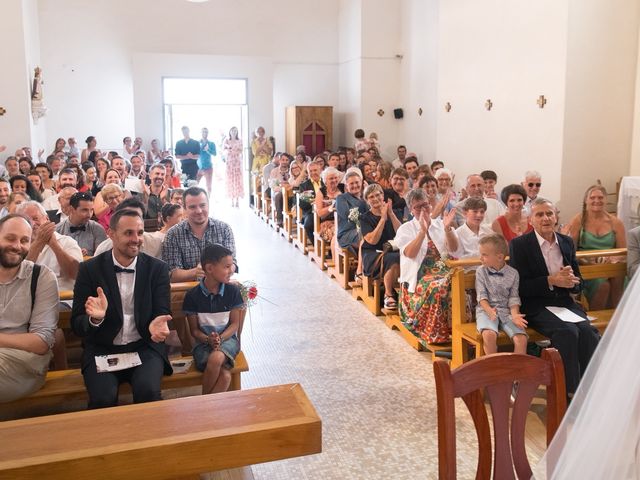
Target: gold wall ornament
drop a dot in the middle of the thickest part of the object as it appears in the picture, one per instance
(2, 111)
(420, 111)
(380, 112)
(488, 104)
(447, 107)
(541, 101)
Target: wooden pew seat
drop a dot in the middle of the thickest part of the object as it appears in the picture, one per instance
(66, 385)
(168, 439)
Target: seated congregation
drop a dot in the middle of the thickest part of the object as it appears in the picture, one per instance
(120, 232)
(397, 233)
(99, 254)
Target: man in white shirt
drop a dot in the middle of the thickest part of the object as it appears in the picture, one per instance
(475, 188)
(399, 160)
(468, 235)
(60, 253)
(67, 178)
(5, 191)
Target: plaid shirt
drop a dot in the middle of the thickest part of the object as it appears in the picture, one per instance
(182, 249)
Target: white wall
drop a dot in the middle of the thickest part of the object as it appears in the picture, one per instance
(509, 52)
(349, 69)
(91, 63)
(19, 56)
(150, 68)
(600, 84)
(634, 166)
(304, 84)
(418, 85)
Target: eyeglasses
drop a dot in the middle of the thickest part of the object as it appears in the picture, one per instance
(531, 184)
(421, 206)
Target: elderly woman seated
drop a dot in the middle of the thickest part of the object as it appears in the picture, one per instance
(379, 226)
(325, 202)
(111, 195)
(596, 229)
(349, 207)
(425, 279)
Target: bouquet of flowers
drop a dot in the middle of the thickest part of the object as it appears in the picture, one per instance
(308, 196)
(354, 216)
(249, 292)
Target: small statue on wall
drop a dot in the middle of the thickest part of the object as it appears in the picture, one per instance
(38, 110)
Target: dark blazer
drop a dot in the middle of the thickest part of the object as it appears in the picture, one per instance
(152, 293)
(54, 216)
(526, 257)
(307, 185)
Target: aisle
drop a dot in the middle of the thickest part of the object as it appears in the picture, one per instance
(375, 395)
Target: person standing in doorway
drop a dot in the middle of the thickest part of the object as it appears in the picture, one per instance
(207, 150)
(188, 151)
(233, 149)
(262, 150)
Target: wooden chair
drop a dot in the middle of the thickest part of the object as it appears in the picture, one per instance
(495, 374)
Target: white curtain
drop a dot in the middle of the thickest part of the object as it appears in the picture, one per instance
(600, 433)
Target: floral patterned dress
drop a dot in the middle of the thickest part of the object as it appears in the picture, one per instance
(233, 148)
(427, 312)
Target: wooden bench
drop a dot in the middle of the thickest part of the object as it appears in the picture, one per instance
(301, 241)
(288, 216)
(370, 293)
(320, 248)
(465, 334)
(67, 385)
(160, 440)
(256, 186)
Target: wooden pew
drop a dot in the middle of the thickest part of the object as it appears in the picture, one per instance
(342, 263)
(301, 240)
(67, 385)
(288, 216)
(256, 186)
(320, 247)
(161, 440)
(370, 293)
(464, 334)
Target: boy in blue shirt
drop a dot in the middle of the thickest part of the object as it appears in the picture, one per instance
(213, 310)
(498, 300)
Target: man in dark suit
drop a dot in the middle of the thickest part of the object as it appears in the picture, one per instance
(314, 183)
(549, 275)
(121, 305)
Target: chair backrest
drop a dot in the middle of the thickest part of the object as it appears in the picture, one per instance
(496, 374)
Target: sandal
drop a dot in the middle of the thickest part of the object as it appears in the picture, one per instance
(390, 303)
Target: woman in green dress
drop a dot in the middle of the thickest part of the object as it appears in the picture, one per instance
(597, 229)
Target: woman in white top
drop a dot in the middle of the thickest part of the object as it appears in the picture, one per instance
(424, 277)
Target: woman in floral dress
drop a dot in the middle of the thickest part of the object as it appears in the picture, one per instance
(233, 148)
(424, 277)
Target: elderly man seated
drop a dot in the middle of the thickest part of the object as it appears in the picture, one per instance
(28, 321)
(58, 252)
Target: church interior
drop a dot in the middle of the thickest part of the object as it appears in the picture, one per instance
(550, 87)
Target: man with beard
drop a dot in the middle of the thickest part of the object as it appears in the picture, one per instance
(156, 193)
(28, 312)
(185, 241)
(5, 191)
(121, 309)
(79, 226)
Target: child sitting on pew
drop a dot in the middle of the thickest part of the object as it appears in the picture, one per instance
(498, 300)
(213, 309)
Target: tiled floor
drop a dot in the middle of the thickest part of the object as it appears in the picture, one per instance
(375, 395)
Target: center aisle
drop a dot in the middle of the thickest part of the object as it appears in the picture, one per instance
(375, 394)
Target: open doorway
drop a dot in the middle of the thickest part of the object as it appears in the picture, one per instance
(215, 103)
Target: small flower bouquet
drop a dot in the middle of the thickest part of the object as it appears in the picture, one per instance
(307, 196)
(354, 216)
(249, 292)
